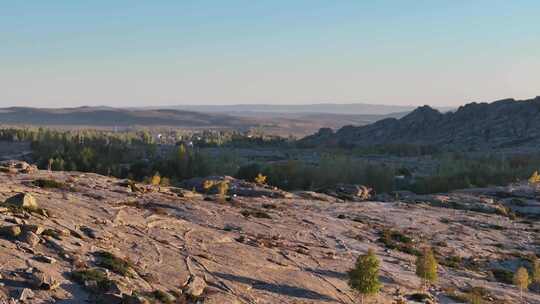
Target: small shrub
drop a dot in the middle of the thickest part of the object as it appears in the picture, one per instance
(477, 294)
(82, 276)
(165, 182)
(270, 206)
(52, 233)
(452, 261)
(255, 213)
(49, 184)
(161, 296)
(396, 240)
(420, 297)
(113, 263)
(503, 275)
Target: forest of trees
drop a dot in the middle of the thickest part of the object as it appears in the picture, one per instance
(135, 155)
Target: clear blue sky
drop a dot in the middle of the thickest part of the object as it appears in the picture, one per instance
(136, 53)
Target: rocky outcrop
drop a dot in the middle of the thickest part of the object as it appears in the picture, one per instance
(355, 193)
(504, 123)
(15, 166)
(236, 187)
(23, 201)
(167, 245)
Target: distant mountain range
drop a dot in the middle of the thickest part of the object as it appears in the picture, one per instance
(326, 108)
(503, 123)
(297, 124)
(110, 117)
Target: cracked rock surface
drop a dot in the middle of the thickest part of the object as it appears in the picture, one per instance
(99, 241)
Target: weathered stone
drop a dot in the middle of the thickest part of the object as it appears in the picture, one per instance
(45, 259)
(23, 200)
(29, 238)
(89, 232)
(350, 192)
(110, 299)
(195, 286)
(25, 294)
(37, 229)
(186, 193)
(132, 299)
(10, 231)
(44, 280)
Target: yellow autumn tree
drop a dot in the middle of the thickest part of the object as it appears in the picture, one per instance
(156, 179)
(223, 188)
(208, 184)
(260, 179)
(426, 267)
(521, 280)
(535, 178)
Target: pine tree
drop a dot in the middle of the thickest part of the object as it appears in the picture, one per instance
(426, 267)
(521, 280)
(364, 277)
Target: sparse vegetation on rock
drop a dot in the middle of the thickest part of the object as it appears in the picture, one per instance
(49, 183)
(93, 279)
(114, 263)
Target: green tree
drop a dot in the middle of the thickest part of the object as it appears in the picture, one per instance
(426, 267)
(364, 277)
(521, 280)
(535, 274)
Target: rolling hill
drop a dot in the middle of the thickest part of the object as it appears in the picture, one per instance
(110, 117)
(297, 124)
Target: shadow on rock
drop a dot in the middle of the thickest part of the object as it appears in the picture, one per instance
(286, 290)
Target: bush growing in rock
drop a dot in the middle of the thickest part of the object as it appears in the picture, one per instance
(49, 184)
(503, 275)
(85, 276)
(113, 263)
(255, 213)
(395, 240)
